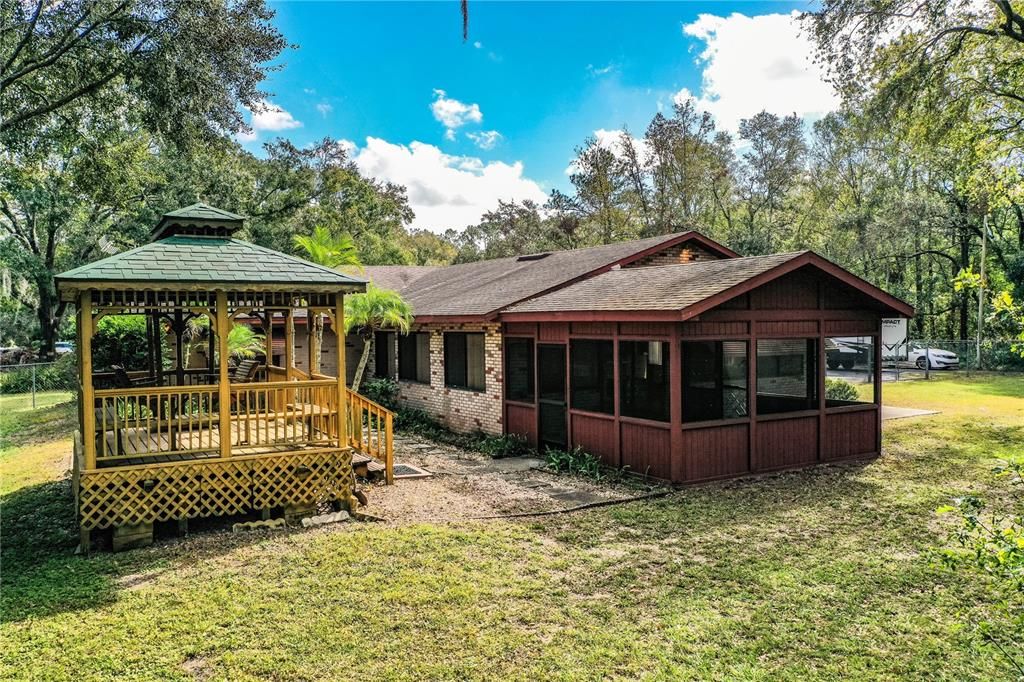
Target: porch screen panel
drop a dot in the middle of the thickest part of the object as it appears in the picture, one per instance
(787, 375)
(593, 375)
(643, 379)
(714, 380)
(519, 369)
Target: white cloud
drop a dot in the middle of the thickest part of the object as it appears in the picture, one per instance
(272, 117)
(758, 63)
(445, 191)
(602, 71)
(477, 44)
(324, 108)
(485, 139)
(454, 114)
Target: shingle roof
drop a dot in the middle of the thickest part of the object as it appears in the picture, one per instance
(483, 287)
(201, 211)
(208, 219)
(398, 277)
(664, 287)
(199, 259)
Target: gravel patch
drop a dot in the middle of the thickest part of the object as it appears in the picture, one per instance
(467, 484)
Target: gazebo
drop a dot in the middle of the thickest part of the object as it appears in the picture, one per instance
(174, 441)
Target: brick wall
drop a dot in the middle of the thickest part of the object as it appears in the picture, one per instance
(680, 253)
(458, 409)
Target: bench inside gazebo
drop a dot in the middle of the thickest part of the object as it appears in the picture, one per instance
(171, 441)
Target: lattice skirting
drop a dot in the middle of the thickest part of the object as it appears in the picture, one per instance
(187, 490)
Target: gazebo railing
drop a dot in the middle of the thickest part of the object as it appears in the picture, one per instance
(134, 424)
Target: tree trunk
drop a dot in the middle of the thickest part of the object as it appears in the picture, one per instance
(361, 367)
(49, 320)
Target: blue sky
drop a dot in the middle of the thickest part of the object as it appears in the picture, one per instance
(462, 124)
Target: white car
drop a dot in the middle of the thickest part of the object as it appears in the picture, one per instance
(937, 358)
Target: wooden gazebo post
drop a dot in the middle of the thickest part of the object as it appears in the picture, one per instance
(339, 333)
(223, 380)
(85, 370)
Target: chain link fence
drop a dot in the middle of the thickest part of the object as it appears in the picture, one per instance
(997, 355)
(36, 385)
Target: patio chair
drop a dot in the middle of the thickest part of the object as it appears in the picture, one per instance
(245, 372)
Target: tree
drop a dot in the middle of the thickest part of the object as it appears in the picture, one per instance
(61, 209)
(931, 58)
(327, 249)
(600, 191)
(511, 229)
(332, 251)
(370, 312)
(243, 342)
(770, 169)
(186, 68)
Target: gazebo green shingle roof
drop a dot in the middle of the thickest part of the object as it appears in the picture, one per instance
(192, 247)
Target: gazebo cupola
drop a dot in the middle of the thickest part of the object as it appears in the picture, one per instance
(190, 436)
(197, 220)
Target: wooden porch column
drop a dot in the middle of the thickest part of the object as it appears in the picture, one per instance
(289, 343)
(179, 351)
(677, 464)
(312, 361)
(223, 381)
(85, 364)
(268, 331)
(339, 332)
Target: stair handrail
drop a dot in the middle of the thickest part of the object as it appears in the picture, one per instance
(357, 405)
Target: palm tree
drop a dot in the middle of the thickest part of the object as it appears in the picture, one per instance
(333, 251)
(243, 342)
(373, 311)
(325, 248)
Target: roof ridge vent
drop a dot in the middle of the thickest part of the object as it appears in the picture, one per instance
(533, 256)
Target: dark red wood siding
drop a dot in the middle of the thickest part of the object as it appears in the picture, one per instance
(849, 434)
(784, 443)
(716, 451)
(521, 419)
(647, 450)
(596, 435)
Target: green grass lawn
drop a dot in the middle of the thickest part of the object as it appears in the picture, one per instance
(822, 574)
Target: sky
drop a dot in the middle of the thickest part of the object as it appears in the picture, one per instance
(463, 124)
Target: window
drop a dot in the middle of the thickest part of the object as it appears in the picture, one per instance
(714, 380)
(593, 376)
(643, 379)
(464, 360)
(519, 369)
(383, 355)
(787, 375)
(851, 371)
(414, 357)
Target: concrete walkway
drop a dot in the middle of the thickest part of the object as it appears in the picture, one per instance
(889, 412)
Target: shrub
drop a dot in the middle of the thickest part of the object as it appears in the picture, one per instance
(61, 375)
(120, 340)
(575, 461)
(382, 391)
(840, 389)
(508, 445)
